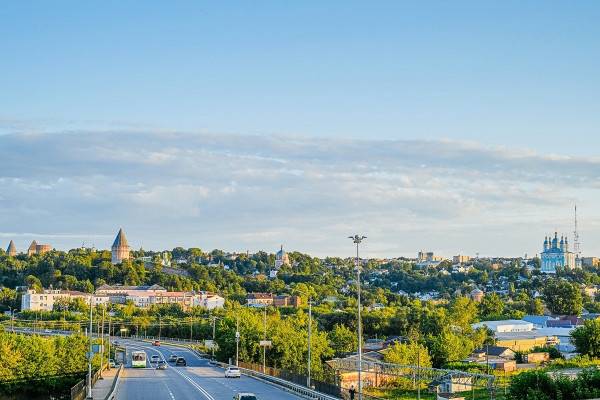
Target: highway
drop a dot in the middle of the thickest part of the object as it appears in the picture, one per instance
(198, 380)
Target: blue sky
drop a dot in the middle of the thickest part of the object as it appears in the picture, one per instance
(503, 78)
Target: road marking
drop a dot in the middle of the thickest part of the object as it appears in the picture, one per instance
(191, 381)
(169, 390)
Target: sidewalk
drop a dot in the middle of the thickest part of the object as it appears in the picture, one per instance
(102, 386)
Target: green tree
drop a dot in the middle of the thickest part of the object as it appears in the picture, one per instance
(535, 307)
(408, 354)
(587, 338)
(342, 340)
(563, 297)
(491, 306)
(449, 347)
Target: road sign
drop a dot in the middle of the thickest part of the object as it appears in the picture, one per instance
(97, 348)
(123, 329)
(265, 343)
(237, 335)
(210, 344)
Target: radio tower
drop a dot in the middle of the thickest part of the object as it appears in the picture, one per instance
(576, 243)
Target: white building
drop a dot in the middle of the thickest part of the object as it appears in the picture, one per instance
(508, 325)
(32, 301)
(146, 296)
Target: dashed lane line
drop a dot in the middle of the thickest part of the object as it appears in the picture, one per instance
(187, 378)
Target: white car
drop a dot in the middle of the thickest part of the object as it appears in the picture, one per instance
(154, 359)
(245, 396)
(232, 372)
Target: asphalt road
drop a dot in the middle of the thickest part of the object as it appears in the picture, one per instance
(198, 380)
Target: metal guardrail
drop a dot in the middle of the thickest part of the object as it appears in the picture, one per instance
(113, 389)
(78, 392)
(163, 339)
(286, 385)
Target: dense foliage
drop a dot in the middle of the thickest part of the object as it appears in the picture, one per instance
(440, 326)
(540, 385)
(52, 364)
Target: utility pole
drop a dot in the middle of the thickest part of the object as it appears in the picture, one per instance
(309, 340)
(264, 339)
(419, 374)
(487, 358)
(12, 319)
(356, 239)
(214, 331)
(191, 322)
(102, 342)
(159, 326)
(89, 391)
(237, 341)
(109, 319)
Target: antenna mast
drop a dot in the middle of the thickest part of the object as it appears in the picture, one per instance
(576, 243)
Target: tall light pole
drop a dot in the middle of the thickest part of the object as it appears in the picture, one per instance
(213, 337)
(12, 319)
(356, 239)
(102, 342)
(264, 340)
(159, 326)
(237, 341)
(109, 320)
(89, 391)
(309, 340)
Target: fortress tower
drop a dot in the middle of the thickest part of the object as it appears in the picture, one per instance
(120, 248)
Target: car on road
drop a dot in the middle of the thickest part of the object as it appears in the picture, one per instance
(173, 358)
(111, 363)
(154, 359)
(245, 396)
(161, 365)
(232, 372)
(180, 362)
(116, 343)
(156, 343)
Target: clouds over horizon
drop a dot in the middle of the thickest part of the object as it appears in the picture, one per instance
(240, 192)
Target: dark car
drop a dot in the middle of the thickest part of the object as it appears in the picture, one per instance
(180, 362)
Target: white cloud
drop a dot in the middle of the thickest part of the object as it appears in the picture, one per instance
(232, 191)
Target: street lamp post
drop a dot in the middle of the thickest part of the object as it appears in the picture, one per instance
(214, 319)
(109, 320)
(309, 340)
(356, 239)
(237, 342)
(12, 319)
(102, 342)
(264, 340)
(159, 326)
(89, 391)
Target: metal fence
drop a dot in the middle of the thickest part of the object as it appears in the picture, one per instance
(330, 388)
(164, 339)
(78, 392)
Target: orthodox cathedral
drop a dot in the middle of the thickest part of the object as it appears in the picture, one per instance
(556, 254)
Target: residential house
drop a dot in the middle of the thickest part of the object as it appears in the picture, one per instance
(259, 299)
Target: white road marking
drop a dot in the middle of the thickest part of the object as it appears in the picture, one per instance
(196, 385)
